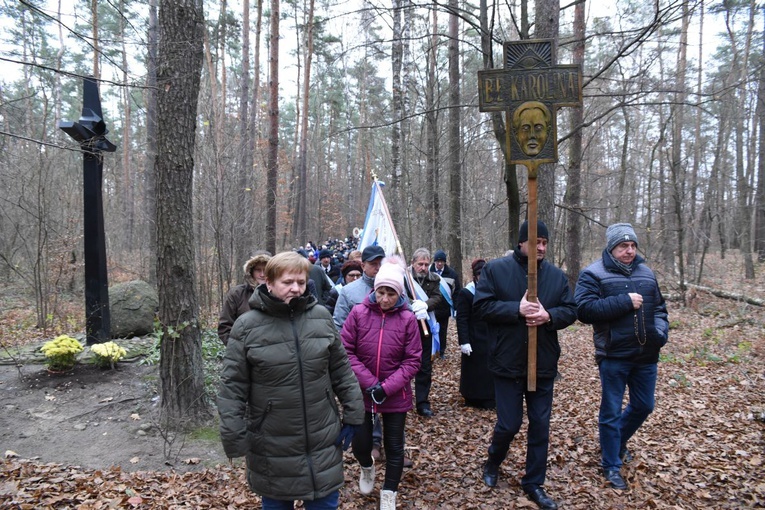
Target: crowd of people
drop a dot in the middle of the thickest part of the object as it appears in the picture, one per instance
(322, 327)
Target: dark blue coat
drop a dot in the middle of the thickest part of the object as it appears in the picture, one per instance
(497, 301)
(620, 331)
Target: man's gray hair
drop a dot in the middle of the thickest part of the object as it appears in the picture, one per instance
(420, 253)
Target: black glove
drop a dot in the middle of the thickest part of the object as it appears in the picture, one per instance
(346, 435)
(377, 393)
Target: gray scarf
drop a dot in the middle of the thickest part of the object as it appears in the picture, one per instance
(624, 268)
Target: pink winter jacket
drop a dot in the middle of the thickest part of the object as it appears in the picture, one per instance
(383, 347)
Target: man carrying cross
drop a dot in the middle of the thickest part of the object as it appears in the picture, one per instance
(501, 301)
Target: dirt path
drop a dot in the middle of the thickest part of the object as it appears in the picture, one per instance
(94, 418)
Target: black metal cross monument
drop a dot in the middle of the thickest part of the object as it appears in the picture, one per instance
(529, 90)
(90, 132)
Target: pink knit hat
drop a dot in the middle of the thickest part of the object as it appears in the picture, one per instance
(391, 274)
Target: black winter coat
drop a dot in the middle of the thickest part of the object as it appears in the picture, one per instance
(236, 304)
(444, 311)
(497, 301)
(476, 382)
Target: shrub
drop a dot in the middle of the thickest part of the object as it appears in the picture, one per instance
(106, 355)
(61, 352)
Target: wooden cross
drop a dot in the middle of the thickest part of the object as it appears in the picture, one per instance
(529, 90)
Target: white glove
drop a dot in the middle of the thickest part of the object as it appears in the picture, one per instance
(420, 309)
(466, 349)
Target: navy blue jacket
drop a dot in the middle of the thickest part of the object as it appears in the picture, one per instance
(497, 301)
(620, 331)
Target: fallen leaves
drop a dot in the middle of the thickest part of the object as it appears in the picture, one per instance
(701, 448)
(30, 486)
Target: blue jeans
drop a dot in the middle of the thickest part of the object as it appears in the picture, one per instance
(617, 426)
(328, 502)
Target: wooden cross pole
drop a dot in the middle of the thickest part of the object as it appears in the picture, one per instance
(531, 368)
(529, 90)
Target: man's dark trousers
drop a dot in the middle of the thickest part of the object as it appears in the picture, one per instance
(509, 397)
(422, 380)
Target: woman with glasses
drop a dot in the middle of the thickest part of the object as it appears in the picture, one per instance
(350, 272)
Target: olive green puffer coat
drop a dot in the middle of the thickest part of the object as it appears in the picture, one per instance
(283, 368)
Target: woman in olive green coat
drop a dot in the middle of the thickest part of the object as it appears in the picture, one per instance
(283, 368)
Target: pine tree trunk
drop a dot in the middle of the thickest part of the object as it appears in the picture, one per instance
(245, 176)
(152, 93)
(272, 163)
(759, 202)
(455, 143)
(301, 209)
(431, 119)
(509, 172)
(547, 14)
(573, 197)
(180, 67)
(677, 171)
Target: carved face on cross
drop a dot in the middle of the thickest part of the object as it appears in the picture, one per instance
(531, 126)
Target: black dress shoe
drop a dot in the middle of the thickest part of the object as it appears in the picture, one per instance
(537, 495)
(425, 411)
(614, 477)
(490, 474)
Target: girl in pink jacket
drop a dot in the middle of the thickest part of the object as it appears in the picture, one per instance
(382, 339)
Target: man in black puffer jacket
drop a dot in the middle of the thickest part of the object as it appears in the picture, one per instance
(619, 295)
(500, 301)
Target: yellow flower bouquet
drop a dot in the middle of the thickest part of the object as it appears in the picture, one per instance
(61, 352)
(107, 354)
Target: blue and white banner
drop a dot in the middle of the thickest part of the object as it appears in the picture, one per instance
(378, 225)
(379, 231)
(446, 291)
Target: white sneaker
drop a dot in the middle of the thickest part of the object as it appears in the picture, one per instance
(388, 500)
(367, 479)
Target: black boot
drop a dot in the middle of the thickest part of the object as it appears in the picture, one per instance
(490, 473)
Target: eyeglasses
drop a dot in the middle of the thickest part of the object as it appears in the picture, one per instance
(352, 276)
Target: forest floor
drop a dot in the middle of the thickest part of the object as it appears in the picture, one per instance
(89, 439)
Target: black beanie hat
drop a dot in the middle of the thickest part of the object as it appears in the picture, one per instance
(523, 235)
